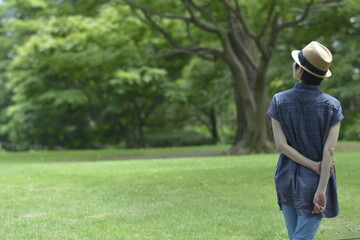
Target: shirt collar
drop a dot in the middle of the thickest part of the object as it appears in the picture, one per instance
(302, 86)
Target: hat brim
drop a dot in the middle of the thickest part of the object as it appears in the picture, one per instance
(294, 55)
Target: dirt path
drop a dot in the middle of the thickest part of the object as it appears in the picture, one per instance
(172, 155)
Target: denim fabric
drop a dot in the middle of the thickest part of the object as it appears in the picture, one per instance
(306, 115)
(300, 227)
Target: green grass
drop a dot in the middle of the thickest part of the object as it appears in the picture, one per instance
(203, 198)
(111, 154)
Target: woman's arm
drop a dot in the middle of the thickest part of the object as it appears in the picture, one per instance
(283, 147)
(329, 148)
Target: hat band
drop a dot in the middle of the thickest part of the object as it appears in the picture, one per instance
(309, 66)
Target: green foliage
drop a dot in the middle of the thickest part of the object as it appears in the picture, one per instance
(208, 82)
(209, 93)
(77, 82)
(72, 97)
(351, 130)
(338, 29)
(177, 138)
(59, 79)
(52, 70)
(82, 74)
(140, 91)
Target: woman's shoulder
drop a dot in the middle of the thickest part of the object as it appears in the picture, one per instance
(284, 93)
(330, 100)
(284, 96)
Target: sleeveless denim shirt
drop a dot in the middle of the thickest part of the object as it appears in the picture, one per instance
(306, 115)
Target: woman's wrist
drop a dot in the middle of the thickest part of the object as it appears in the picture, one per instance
(315, 166)
(320, 191)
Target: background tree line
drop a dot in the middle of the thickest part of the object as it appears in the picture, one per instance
(92, 74)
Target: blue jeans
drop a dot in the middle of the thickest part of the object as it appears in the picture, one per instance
(300, 227)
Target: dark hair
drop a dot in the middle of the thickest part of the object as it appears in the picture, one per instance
(308, 78)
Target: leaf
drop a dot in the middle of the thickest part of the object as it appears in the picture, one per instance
(72, 97)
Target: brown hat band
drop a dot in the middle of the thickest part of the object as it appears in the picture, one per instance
(309, 66)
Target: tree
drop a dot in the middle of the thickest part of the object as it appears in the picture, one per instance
(208, 90)
(81, 81)
(59, 80)
(229, 31)
(137, 94)
(56, 78)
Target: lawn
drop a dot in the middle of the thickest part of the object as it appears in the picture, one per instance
(58, 195)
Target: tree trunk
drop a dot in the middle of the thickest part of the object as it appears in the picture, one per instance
(255, 138)
(126, 135)
(141, 140)
(213, 126)
(250, 103)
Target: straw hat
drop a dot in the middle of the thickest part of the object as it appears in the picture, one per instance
(314, 58)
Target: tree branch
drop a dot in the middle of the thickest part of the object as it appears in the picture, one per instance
(297, 21)
(277, 26)
(206, 53)
(267, 21)
(273, 34)
(240, 83)
(188, 5)
(320, 6)
(167, 35)
(210, 50)
(239, 16)
(202, 52)
(148, 10)
(200, 9)
(197, 22)
(188, 32)
(243, 50)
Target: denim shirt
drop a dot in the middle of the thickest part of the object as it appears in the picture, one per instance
(306, 115)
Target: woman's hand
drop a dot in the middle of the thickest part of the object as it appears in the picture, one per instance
(319, 203)
(317, 168)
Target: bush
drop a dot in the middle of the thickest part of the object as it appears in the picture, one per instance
(350, 127)
(177, 138)
(352, 132)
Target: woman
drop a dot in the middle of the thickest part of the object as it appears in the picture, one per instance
(306, 124)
